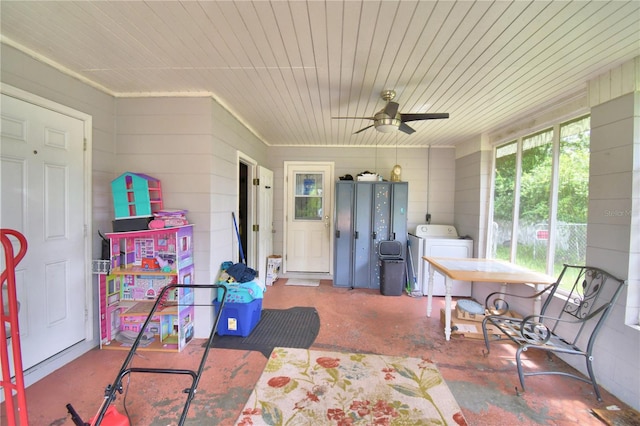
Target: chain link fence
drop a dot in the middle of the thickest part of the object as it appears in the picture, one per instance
(571, 241)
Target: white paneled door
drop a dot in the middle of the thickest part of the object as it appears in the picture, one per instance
(264, 219)
(309, 212)
(43, 197)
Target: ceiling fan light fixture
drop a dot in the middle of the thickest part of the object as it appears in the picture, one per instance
(387, 125)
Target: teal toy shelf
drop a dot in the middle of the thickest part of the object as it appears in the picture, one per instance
(136, 195)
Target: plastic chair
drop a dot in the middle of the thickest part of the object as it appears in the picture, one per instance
(571, 328)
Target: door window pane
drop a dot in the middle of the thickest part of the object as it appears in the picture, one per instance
(309, 201)
(535, 191)
(503, 196)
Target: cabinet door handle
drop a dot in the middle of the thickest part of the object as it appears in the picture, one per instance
(356, 235)
(338, 233)
(374, 235)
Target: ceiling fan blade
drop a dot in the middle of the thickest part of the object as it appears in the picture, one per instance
(364, 128)
(404, 128)
(391, 109)
(353, 118)
(423, 116)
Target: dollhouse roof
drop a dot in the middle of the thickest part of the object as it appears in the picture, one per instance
(140, 175)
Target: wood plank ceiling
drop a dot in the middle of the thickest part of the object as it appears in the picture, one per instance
(285, 68)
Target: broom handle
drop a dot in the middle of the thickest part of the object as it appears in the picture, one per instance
(235, 224)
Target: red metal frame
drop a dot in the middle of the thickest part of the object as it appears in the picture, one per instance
(11, 319)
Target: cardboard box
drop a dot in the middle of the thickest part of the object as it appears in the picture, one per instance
(471, 329)
(273, 267)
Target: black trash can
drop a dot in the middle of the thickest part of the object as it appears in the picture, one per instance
(392, 268)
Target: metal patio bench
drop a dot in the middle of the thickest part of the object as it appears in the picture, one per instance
(570, 325)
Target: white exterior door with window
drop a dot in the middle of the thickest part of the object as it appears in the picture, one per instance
(43, 197)
(309, 212)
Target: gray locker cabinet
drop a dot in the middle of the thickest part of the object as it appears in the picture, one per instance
(343, 241)
(365, 214)
(399, 205)
(363, 234)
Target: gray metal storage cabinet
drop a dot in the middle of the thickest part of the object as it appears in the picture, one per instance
(365, 214)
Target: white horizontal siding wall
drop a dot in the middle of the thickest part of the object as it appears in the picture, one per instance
(611, 242)
(430, 191)
(472, 194)
(191, 145)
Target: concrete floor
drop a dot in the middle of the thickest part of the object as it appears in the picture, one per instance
(352, 321)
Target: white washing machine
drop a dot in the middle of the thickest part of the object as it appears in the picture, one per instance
(437, 241)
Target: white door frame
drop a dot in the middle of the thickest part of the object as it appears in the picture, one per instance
(251, 249)
(288, 200)
(46, 367)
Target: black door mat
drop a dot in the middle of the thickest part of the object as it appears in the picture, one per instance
(295, 327)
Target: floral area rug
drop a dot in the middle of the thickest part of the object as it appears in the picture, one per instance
(308, 387)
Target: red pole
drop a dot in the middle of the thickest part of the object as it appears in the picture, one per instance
(9, 276)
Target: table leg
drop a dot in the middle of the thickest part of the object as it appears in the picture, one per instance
(502, 305)
(430, 290)
(503, 289)
(537, 302)
(447, 307)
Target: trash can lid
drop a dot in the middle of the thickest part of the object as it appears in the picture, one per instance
(390, 249)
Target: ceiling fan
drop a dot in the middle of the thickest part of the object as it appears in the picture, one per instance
(389, 119)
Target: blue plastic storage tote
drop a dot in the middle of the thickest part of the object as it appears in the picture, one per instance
(238, 319)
